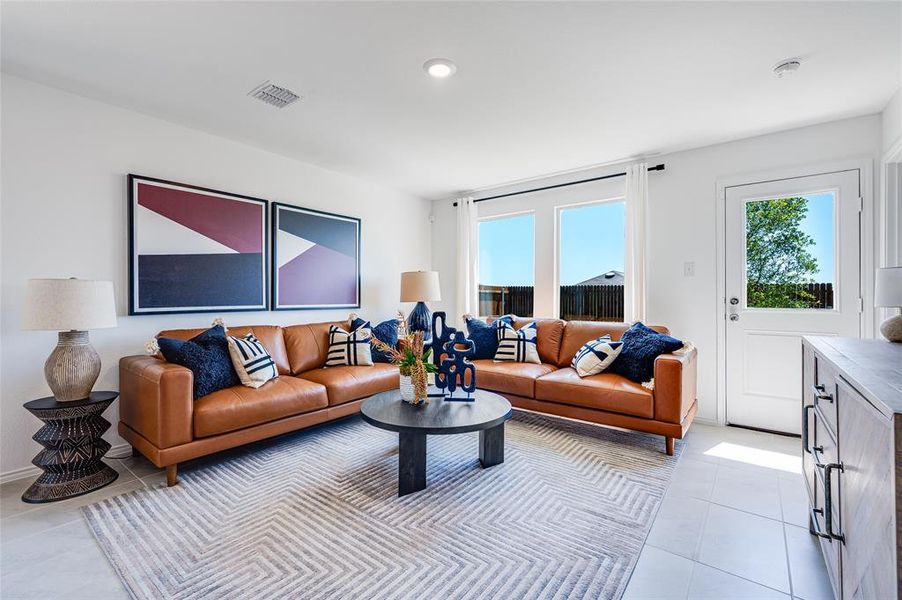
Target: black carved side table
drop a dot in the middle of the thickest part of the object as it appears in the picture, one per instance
(73, 447)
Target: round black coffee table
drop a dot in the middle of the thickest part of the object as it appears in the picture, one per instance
(486, 415)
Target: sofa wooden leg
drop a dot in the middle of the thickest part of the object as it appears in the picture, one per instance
(668, 442)
(172, 476)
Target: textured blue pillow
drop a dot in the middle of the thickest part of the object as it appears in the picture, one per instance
(207, 355)
(386, 332)
(485, 336)
(641, 346)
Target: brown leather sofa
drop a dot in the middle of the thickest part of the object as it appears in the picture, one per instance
(553, 387)
(160, 419)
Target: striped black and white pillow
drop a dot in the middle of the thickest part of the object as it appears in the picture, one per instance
(595, 356)
(252, 362)
(349, 348)
(517, 345)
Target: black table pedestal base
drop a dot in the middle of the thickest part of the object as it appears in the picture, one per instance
(73, 448)
(491, 446)
(411, 462)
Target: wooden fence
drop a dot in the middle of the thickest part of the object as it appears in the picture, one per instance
(578, 302)
(605, 302)
(803, 295)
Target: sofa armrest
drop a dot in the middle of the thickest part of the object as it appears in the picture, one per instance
(156, 399)
(675, 384)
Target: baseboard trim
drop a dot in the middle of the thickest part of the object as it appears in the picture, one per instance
(29, 472)
(711, 422)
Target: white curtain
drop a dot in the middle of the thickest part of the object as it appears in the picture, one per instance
(467, 258)
(635, 284)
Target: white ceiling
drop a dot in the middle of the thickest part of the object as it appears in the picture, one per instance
(541, 87)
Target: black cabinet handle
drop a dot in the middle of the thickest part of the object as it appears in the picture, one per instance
(828, 500)
(814, 528)
(805, 410)
(820, 394)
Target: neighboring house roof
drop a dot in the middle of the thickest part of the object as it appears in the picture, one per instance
(609, 278)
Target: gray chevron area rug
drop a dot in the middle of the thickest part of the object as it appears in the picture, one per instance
(316, 515)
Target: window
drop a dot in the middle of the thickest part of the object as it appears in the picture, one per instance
(591, 254)
(789, 246)
(507, 265)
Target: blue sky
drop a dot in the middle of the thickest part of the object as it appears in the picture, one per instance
(818, 223)
(592, 243)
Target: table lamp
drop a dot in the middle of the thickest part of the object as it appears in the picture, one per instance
(888, 293)
(71, 307)
(420, 287)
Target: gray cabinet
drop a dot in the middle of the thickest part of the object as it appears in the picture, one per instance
(852, 461)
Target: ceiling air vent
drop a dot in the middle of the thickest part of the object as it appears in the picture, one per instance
(272, 94)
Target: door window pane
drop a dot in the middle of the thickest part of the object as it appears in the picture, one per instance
(789, 252)
(592, 239)
(507, 265)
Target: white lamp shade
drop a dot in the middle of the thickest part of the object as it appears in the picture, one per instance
(69, 304)
(420, 286)
(888, 288)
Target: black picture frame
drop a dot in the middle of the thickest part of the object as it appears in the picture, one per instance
(276, 207)
(134, 277)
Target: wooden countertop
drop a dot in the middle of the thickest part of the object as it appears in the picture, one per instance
(873, 367)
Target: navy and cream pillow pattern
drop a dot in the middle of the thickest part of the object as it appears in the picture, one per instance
(207, 355)
(349, 348)
(641, 346)
(595, 356)
(252, 362)
(485, 336)
(386, 332)
(517, 345)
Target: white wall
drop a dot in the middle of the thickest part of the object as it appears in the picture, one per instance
(65, 160)
(681, 224)
(892, 121)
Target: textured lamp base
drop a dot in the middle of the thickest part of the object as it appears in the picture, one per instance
(73, 367)
(892, 329)
(420, 319)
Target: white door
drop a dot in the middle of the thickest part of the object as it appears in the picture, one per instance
(792, 269)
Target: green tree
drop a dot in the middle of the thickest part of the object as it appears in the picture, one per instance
(778, 260)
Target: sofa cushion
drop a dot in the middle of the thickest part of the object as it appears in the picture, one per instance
(605, 391)
(307, 345)
(344, 384)
(207, 355)
(550, 333)
(240, 407)
(517, 379)
(269, 335)
(386, 332)
(577, 333)
(641, 346)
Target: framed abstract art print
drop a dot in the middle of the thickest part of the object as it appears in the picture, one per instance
(316, 259)
(194, 249)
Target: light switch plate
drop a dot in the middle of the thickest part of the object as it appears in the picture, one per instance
(689, 269)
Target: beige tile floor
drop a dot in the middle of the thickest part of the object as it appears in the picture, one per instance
(732, 525)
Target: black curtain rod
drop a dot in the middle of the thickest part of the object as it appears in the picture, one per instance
(560, 185)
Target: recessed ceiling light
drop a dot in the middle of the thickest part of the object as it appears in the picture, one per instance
(440, 68)
(787, 67)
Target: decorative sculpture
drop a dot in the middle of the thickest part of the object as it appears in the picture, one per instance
(454, 367)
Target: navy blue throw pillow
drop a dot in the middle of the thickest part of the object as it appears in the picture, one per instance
(485, 336)
(641, 346)
(207, 355)
(386, 332)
